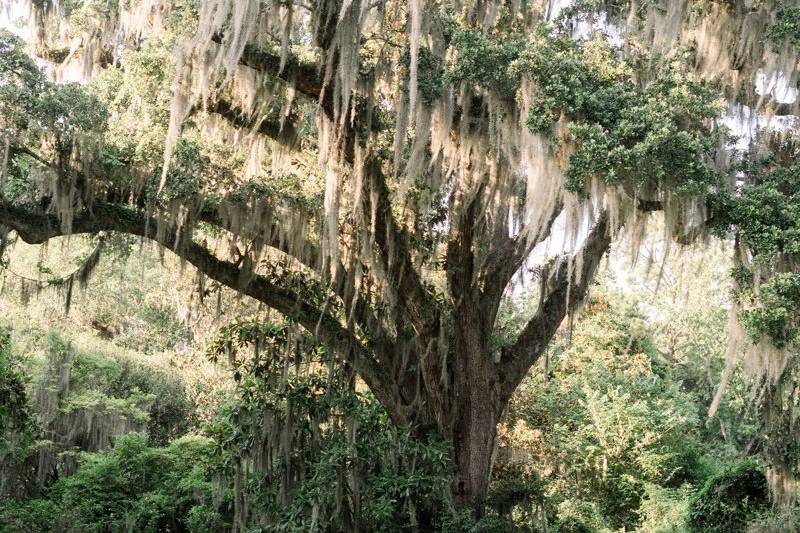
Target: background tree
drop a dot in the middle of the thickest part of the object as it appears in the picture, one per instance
(419, 153)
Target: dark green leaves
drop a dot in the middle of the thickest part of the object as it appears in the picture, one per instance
(36, 111)
(778, 312)
(655, 136)
(485, 61)
(729, 500)
(786, 26)
(767, 212)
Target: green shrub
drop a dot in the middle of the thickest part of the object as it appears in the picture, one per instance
(729, 500)
(170, 412)
(612, 418)
(114, 379)
(664, 510)
(17, 425)
(203, 519)
(31, 516)
(131, 487)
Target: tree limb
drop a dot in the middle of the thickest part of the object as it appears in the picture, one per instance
(305, 77)
(395, 256)
(392, 240)
(569, 286)
(35, 227)
(505, 260)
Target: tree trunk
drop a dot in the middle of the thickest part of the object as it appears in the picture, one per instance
(476, 409)
(473, 449)
(463, 409)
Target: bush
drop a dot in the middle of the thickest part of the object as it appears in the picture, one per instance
(203, 519)
(17, 425)
(111, 378)
(31, 516)
(171, 411)
(131, 487)
(729, 500)
(665, 510)
(606, 421)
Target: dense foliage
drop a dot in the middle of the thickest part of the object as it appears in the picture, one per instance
(729, 499)
(609, 435)
(343, 466)
(608, 422)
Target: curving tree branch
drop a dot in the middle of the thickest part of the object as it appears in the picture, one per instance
(35, 227)
(504, 260)
(567, 289)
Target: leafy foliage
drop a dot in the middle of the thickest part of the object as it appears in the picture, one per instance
(130, 486)
(765, 213)
(314, 452)
(486, 61)
(652, 137)
(610, 433)
(17, 423)
(609, 437)
(99, 382)
(14, 409)
(607, 427)
(350, 465)
(728, 500)
(778, 311)
(31, 104)
(786, 26)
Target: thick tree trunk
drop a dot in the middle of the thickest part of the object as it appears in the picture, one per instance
(476, 409)
(473, 449)
(468, 415)
(469, 423)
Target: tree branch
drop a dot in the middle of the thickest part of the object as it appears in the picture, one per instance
(35, 227)
(305, 77)
(505, 260)
(395, 256)
(569, 285)
(285, 133)
(392, 241)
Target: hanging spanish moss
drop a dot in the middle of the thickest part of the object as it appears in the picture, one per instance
(27, 288)
(387, 173)
(299, 413)
(68, 423)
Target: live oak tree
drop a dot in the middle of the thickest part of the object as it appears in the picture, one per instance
(381, 172)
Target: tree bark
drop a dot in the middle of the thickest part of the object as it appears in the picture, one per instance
(474, 440)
